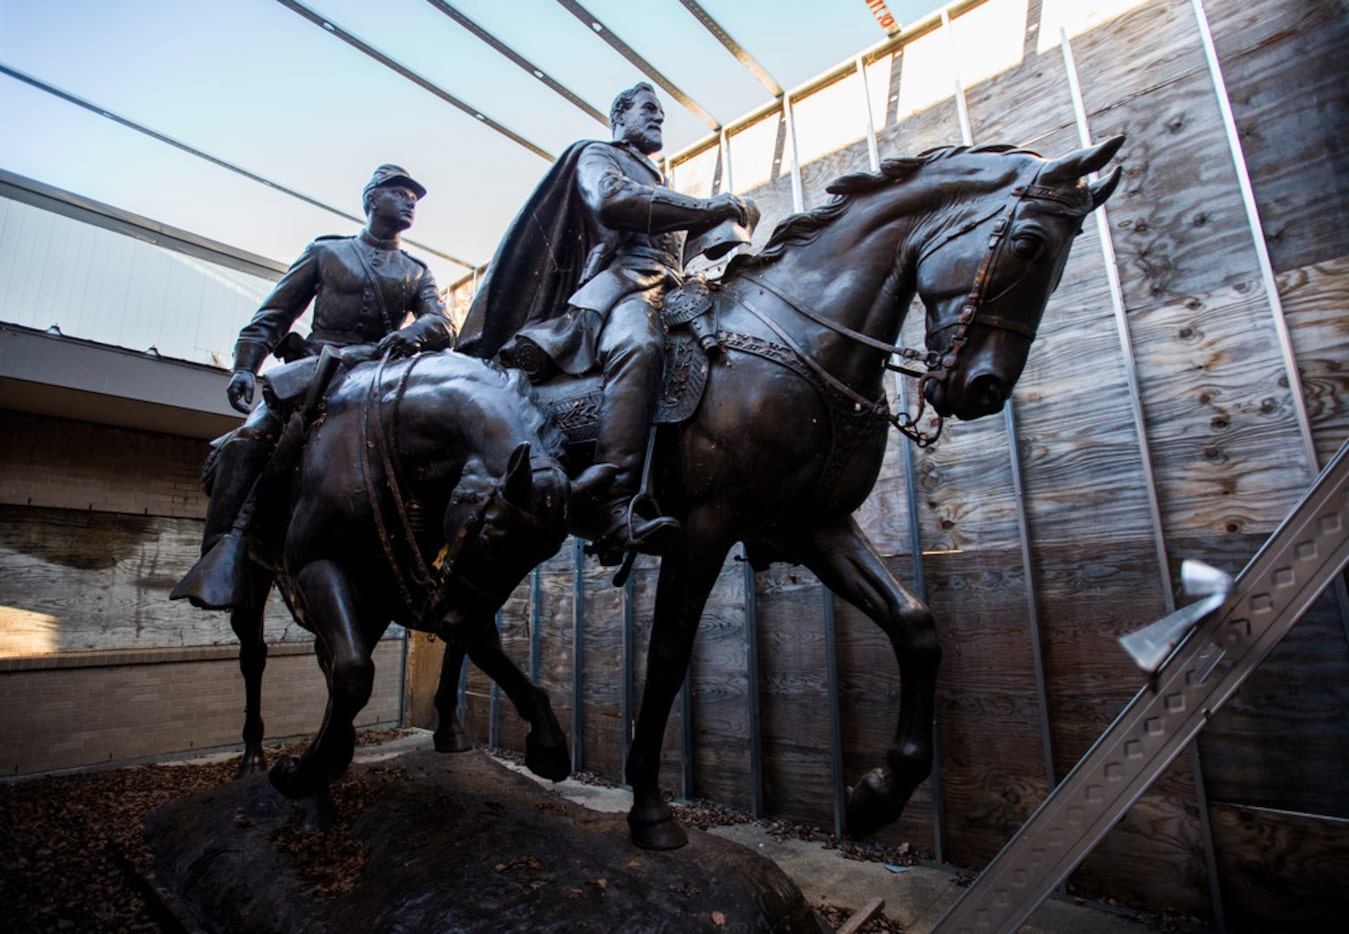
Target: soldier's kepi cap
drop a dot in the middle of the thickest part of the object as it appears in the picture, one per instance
(389, 174)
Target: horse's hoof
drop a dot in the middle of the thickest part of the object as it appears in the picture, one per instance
(547, 760)
(454, 739)
(252, 763)
(665, 834)
(873, 803)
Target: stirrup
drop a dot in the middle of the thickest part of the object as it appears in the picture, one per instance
(630, 533)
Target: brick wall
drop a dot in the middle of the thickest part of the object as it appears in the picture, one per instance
(94, 708)
(47, 461)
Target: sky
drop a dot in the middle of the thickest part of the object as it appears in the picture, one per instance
(255, 84)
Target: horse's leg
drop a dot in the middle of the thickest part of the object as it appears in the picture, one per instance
(246, 620)
(345, 658)
(847, 563)
(546, 752)
(450, 735)
(686, 578)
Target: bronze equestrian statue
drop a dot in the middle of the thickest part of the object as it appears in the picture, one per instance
(576, 287)
(788, 438)
(432, 484)
(364, 289)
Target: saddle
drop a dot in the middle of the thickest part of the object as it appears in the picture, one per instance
(690, 339)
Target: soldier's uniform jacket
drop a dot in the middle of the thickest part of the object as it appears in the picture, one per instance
(362, 289)
(632, 254)
(601, 227)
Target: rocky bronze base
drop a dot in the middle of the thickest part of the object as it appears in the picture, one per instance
(450, 843)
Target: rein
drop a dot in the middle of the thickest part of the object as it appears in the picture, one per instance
(939, 366)
(434, 584)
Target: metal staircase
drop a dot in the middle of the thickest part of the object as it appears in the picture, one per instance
(1297, 563)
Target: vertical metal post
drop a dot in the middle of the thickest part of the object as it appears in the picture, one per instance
(920, 591)
(494, 717)
(798, 196)
(835, 715)
(629, 662)
(463, 689)
(1140, 428)
(578, 655)
(1014, 464)
(873, 152)
(1125, 339)
(686, 734)
(1032, 609)
(962, 108)
(728, 178)
(1267, 276)
(535, 624)
(915, 534)
(752, 690)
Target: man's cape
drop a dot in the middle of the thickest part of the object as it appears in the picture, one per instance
(538, 264)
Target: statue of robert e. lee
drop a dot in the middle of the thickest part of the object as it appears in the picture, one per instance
(364, 289)
(576, 286)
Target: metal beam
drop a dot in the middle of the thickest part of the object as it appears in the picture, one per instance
(642, 65)
(214, 160)
(425, 83)
(1145, 457)
(515, 57)
(1294, 567)
(724, 37)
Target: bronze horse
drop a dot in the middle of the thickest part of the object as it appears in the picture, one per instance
(424, 495)
(791, 431)
(786, 444)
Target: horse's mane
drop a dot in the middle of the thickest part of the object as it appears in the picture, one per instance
(804, 227)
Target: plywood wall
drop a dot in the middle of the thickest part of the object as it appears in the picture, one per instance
(1180, 422)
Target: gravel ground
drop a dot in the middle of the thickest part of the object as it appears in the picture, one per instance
(73, 858)
(72, 855)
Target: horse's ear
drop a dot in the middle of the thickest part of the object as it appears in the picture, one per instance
(1103, 188)
(1067, 170)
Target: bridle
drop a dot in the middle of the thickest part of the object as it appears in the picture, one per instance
(973, 312)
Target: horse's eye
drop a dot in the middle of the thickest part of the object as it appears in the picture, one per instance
(1026, 246)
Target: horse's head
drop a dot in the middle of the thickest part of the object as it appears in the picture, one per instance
(990, 261)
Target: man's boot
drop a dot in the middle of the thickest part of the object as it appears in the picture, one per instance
(213, 579)
(627, 519)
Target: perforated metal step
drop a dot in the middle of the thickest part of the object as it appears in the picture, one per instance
(1295, 565)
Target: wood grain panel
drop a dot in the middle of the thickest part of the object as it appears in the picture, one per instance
(1022, 104)
(1281, 871)
(1177, 219)
(987, 712)
(819, 174)
(793, 695)
(1224, 436)
(1290, 99)
(1134, 55)
(82, 581)
(602, 665)
(720, 682)
(1314, 302)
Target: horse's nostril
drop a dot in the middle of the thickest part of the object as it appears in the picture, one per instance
(987, 392)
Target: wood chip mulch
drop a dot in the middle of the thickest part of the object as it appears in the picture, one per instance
(73, 857)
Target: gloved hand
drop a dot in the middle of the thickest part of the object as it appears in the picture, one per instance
(398, 344)
(727, 205)
(240, 390)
